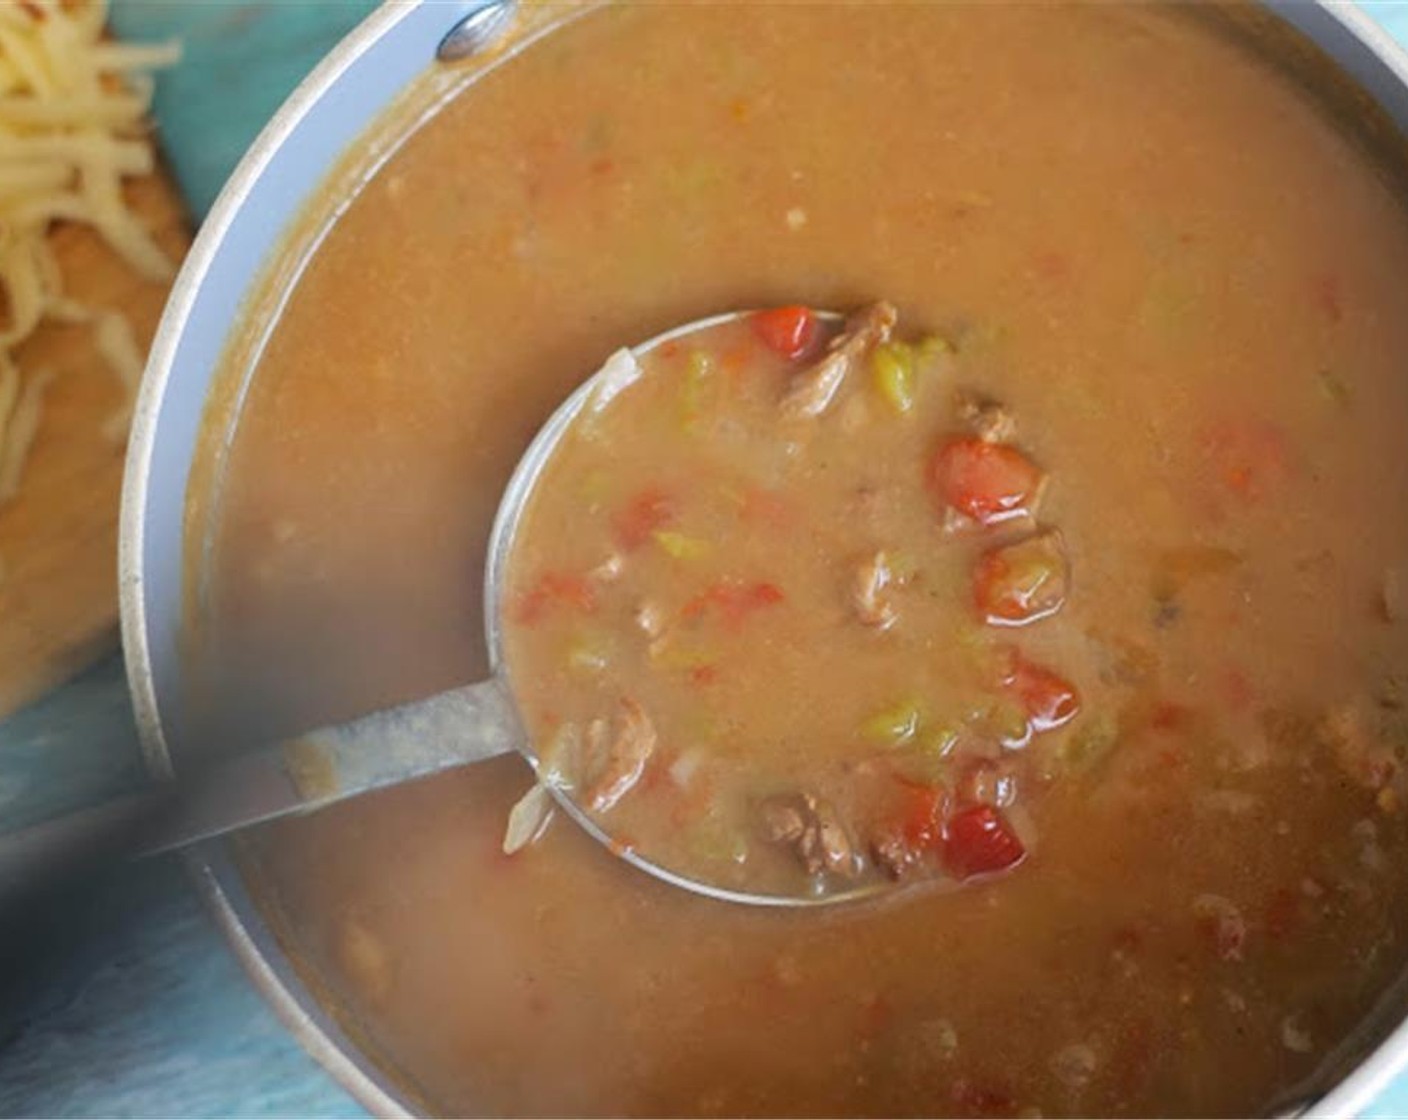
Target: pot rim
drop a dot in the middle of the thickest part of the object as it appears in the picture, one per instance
(218, 880)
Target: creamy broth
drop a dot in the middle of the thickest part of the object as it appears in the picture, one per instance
(1184, 280)
(763, 611)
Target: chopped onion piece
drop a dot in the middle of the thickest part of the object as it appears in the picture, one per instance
(19, 433)
(528, 819)
(619, 372)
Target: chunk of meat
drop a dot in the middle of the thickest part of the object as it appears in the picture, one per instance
(812, 828)
(1023, 582)
(618, 757)
(783, 819)
(873, 576)
(893, 856)
(833, 843)
(989, 421)
(812, 390)
(989, 483)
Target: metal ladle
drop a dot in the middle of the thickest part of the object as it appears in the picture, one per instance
(451, 729)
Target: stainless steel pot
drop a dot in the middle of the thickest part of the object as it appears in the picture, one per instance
(359, 81)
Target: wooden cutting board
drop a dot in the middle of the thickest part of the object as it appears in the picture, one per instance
(58, 538)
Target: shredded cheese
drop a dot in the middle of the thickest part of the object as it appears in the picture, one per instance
(21, 430)
(73, 108)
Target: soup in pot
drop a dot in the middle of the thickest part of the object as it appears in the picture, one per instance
(1173, 268)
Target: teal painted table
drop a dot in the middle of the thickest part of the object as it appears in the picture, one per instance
(153, 1017)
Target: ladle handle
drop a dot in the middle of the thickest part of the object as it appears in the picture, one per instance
(329, 764)
(296, 776)
(49, 872)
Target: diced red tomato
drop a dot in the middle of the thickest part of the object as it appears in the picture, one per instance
(981, 842)
(922, 825)
(760, 506)
(1168, 716)
(989, 482)
(765, 594)
(1049, 700)
(648, 511)
(1251, 458)
(787, 330)
(1023, 582)
(554, 589)
(734, 601)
